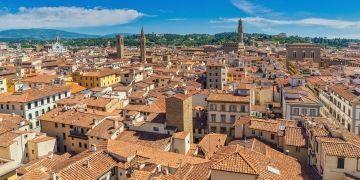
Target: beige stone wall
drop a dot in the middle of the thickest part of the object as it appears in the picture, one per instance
(301, 155)
(331, 172)
(71, 143)
(179, 114)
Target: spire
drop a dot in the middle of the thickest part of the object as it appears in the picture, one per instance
(58, 38)
(142, 31)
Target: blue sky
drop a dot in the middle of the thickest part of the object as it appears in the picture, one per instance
(331, 18)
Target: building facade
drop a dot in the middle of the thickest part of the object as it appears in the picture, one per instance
(216, 76)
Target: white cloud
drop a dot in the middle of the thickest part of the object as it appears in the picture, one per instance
(259, 21)
(66, 17)
(253, 9)
(176, 19)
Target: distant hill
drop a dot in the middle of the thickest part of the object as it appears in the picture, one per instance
(41, 34)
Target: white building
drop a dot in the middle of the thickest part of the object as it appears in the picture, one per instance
(32, 103)
(57, 47)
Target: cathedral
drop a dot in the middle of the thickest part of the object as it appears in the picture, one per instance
(57, 47)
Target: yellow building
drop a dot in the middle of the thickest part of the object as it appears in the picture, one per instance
(100, 78)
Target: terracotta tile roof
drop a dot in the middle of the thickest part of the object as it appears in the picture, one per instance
(211, 143)
(170, 159)
(45, 163)
(295, 136)
(154, 140)
(32, 94)
(222, 97)
(346, 92)
(105, 129)
(342, 149)
(86, 165)
(99, 73)
(75, 88)
(41, 78)
(11, 121)
(72, 117)
(235, 163)
(8, 138)
(139, 175)
(42, 139)
(255, 156)
(180, 135)
(157, 106)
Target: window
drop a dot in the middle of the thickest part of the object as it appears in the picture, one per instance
(222, 107)
(233, 108)
(36, 113)
(213, 107)
(213, 129)
(42, 102)
(232, 118)
(295, 111)
(56, 125)
(297, 149)
(312, 54)
(63, 125)
(223, 130)
(223, 118)
(30, 116)
(36, 104)
(113, 172)
(29, 105)
(80, 145)
(13, 107)
(64, 136)
(304, 111)
(340, 163)
(7, 106)
(242, 108)
(304, 54)
(312, 112)
(213, 118)
(272, 136)
(252, 131)
(48, 100)
(260, 133)
(294, 54)
(2, 106)
(155, 128)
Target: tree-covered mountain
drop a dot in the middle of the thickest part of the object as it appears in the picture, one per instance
(33, 37)
(41, 34)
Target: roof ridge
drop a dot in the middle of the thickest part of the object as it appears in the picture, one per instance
(80, 160)
(248, 162)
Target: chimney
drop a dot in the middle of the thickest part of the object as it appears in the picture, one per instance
(115, 123)
(95, 121)
(93, 148)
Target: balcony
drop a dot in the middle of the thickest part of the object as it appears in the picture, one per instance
(76, 134)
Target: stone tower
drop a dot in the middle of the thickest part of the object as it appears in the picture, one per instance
(120, 46)
(179, 113)
(142, 46)
(240, 32)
